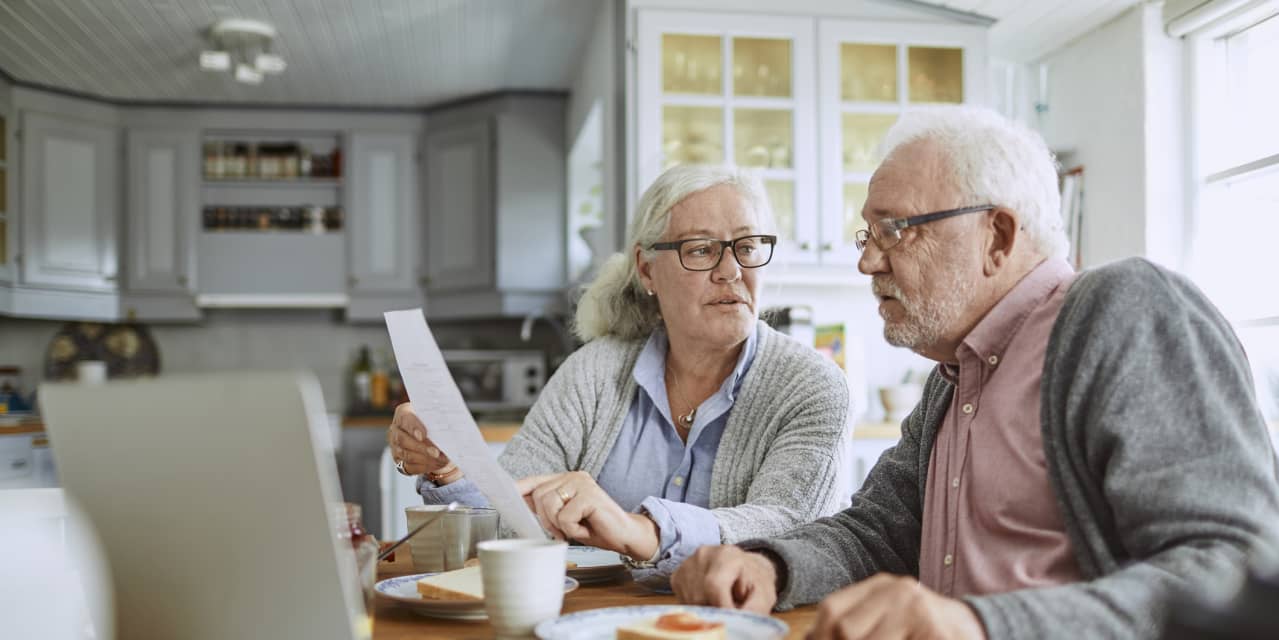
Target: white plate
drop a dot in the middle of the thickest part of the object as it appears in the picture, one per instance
(404, 591)
(594, 565)
(602, 624)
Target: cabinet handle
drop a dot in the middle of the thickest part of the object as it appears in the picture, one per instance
(109, 277)
(424, 281)
(20, 463)
(826, 246)
(182, 280)
(804, 246)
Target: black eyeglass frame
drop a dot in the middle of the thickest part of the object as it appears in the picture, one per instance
(896, 225)
(675, 246)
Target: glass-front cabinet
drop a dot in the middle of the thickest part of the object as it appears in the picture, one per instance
(870, 73)
(805, 101)
(733, 91)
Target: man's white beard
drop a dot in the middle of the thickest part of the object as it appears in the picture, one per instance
(926, 319)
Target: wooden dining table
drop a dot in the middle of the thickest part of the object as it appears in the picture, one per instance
(392, 621)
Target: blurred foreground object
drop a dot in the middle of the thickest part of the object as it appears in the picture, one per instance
(1251, 613)
(54, 580)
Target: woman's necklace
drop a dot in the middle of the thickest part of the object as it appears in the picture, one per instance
(685, 420)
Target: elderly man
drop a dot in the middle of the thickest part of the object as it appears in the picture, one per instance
(1088, 444)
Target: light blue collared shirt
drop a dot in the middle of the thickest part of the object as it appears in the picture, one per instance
(650, 467)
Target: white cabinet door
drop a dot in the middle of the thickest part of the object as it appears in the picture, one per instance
(739, 90)
(69, 186)
(382, 212)
(163, 207)
(460, 185)
(870, 73)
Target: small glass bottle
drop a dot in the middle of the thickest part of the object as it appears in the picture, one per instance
(350, 528)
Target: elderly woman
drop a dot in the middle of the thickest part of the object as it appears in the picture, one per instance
(684, 420)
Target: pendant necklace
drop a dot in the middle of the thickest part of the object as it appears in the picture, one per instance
(685, 420)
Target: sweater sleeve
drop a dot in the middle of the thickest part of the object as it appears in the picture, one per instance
(1159, 456)
(801, 433)
(879, 532)
(553, 436)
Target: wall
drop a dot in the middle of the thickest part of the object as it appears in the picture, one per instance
(228, 340)
(1115, 101)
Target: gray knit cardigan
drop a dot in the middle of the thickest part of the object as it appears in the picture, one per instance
(1158, 457)
(778, 462)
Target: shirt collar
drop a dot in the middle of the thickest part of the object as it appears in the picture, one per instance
(996, 329)
(650, 367)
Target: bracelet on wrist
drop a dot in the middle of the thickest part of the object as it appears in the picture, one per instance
(443, 473)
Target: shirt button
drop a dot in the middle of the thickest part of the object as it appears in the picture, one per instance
(948, 560)
(993, 360)
(968, 407)
(678, 481)
(955, 483)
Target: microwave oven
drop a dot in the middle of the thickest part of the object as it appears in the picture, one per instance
(497, 380)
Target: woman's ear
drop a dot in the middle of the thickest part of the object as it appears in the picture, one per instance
(1002, 231)
(644, 268)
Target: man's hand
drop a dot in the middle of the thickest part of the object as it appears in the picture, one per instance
(889, 606)
(728, 577)
(573, 506)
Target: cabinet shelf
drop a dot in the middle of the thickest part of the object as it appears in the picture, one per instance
(326, 183)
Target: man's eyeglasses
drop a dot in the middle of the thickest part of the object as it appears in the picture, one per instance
(704, 254)
(888, 232)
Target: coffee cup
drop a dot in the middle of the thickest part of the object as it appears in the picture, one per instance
(523, 583)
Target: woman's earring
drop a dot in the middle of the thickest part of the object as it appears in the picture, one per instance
(650, 292)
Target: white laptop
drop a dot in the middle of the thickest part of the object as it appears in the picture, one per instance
(212, 496)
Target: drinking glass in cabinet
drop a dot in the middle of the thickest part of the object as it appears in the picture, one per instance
(868, 72)
(692, 135)
(936, 74)
(862, 134)
(761, 67)
(781, 195)
(692, 64)
(854, 200)
(762, 138)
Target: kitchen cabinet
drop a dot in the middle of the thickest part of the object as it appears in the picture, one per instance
(8, 194)
(162, 204)
(753, 91)
(70, 189)
(382, 225)
(734, 89)
(495, 193)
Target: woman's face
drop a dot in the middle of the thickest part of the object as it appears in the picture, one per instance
(715, 308)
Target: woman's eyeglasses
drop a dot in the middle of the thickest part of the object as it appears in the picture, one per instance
(704, 254)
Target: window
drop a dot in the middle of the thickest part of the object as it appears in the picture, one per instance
(1234, 246)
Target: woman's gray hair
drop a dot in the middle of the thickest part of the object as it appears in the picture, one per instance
(615, 303)
(993, 160)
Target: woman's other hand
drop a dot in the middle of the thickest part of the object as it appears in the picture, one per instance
(410, 444)
(573, 507)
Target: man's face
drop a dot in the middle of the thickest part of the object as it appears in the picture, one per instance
(925, 283)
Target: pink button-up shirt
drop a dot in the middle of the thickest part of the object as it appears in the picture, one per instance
(991, 519)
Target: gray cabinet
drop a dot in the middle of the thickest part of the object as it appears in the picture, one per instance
(495, 189)
(382, 224)
(162, 205)
(70, 186)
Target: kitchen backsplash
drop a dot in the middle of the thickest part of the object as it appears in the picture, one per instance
(317, 340)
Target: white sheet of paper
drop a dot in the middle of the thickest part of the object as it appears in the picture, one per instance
(439, 404)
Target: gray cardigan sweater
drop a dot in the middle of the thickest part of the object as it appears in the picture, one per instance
(1157, 455)
(779, 458)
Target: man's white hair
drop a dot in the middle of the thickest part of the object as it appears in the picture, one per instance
(992, 160)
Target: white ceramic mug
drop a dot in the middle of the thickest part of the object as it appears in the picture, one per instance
(523, 583)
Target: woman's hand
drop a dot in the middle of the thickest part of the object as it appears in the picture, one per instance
(572, 506)
(410, 444)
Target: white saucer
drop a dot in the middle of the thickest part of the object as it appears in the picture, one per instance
(404, 591)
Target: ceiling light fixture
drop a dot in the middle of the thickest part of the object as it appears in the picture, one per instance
(244, 45)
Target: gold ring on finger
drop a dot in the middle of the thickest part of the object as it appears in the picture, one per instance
(564, 495)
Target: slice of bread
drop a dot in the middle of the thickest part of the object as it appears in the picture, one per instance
(462, 584)
(649, 630)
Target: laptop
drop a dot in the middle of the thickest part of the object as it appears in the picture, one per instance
(212, 496)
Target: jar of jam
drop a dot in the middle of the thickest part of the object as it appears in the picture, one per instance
(350, 528)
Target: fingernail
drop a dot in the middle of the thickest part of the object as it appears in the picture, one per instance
(419, 436)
